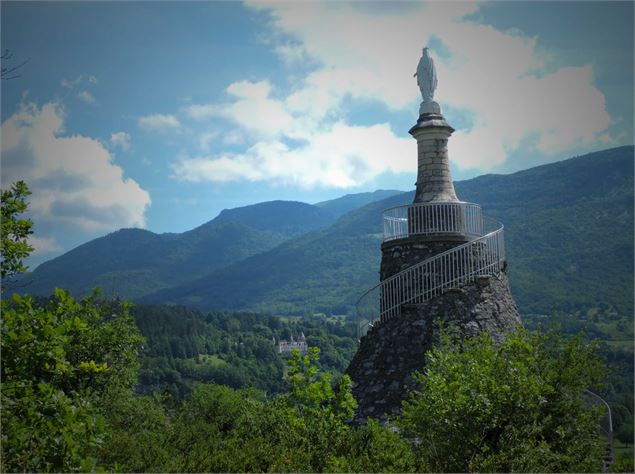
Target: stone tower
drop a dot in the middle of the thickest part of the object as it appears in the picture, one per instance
(441, 261)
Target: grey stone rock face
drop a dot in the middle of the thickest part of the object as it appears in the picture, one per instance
(392, 350)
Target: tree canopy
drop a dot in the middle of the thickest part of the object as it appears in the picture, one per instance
(515, 407)
(15, 230)
(70, 368)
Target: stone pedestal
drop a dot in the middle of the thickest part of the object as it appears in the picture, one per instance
(390, 352)
(434, 181)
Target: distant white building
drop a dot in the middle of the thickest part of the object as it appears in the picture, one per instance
(285, 347)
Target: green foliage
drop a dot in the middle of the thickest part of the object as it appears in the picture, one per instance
(184, 345)
(514, 407)
(321, 409)
(68, 404)
(614, 332)
(218, 429)
(137, 437)
(313, 394)
(59, 363)
(211, 431)
(623, 464)
(15, 231)
(374, 448)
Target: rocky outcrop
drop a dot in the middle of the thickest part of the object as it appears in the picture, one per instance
(391, 351)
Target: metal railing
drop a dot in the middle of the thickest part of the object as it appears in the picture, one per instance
(432, 218)
(606, 427)
(482, 256)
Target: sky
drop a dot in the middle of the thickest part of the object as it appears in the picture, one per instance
(159, 115)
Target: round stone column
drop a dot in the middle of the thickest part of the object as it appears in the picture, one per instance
(434, 181)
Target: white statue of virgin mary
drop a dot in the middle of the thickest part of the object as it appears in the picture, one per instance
(426, 76)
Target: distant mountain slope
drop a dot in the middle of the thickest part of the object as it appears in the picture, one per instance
(568, 227)
(284, 217)
(569, 231)
(340, 206)
(133, 262)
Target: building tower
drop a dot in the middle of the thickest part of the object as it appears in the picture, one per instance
(441, 260)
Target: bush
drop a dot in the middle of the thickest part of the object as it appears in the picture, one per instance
(514, 407)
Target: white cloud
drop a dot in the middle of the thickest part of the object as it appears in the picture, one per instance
(342, 157)
(121, 140)
(371, 53)
(234, 137)
(159, 122)
(202, 111)
(76, 187)
(82, 79)
(44, 245)
(291, 53)
(86, 96)
(206, 138)
(367, 51)
(251, 106)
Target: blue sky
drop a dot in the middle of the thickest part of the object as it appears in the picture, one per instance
(160, 115)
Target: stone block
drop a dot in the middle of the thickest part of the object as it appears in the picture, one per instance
(424, 147)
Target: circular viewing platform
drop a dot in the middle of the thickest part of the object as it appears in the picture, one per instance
(433, 218)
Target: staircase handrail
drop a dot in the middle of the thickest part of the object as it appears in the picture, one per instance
(606, 426)
(486, 266)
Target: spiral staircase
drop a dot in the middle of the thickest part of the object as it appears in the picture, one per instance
(482, 254)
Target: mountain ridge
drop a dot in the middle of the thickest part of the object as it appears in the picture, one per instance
(130, 262)
(556, 216)
(278, 278)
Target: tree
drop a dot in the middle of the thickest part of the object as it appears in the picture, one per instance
(61, 363)
(219, 429)
(14, 230)
(514, 407)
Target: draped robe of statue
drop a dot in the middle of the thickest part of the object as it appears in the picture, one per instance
(426, 76)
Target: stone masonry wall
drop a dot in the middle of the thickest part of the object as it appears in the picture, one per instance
(389, 353)
(434, 180)
(397, 255)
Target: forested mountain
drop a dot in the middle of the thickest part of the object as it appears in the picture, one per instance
(557, 219)
(340, 206)
(568, 225)
(130, 263)
(289, 218)
(568, 230)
